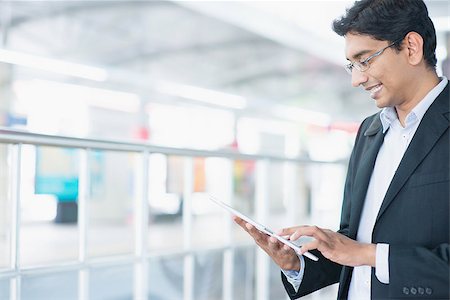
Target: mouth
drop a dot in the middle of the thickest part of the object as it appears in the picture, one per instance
(375, 90)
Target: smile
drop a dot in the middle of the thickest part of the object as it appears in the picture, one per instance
(375, 90)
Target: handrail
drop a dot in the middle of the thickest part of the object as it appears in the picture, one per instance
(139, 257)
(15, 136)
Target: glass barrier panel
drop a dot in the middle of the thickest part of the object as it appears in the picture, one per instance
(287, 195)
(244, 176)
(208, 275)
(6, 203)
(110, 208)
(212, 176)
(60, 285)
(112, 282)
(326, 184)
(165, 277)
(275, 286)
(5, 288)
(244, 273)
(166, 179)
(275, 186)
(48, 205)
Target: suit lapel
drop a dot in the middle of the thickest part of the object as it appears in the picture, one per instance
(431, 128)
(364, 172)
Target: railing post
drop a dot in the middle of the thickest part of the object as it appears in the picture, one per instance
(141, 213)
(189, 266)
(228, 254)
(261, 208)
(84, 182)
(16, 175)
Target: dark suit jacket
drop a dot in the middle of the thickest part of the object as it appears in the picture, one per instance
(413, 218)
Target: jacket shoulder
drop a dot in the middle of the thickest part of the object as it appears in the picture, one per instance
(370, 125)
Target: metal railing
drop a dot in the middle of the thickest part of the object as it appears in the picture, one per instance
(17, 138)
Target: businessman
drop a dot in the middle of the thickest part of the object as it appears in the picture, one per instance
(393, 241)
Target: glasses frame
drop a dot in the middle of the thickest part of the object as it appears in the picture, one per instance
(364, 65)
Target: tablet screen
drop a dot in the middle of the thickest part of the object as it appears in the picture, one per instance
(262, 228)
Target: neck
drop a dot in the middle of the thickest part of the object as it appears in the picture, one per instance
(420, 87)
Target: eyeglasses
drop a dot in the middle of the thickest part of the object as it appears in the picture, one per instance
(364, 65)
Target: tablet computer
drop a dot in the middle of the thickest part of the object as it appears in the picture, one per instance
(262, 228)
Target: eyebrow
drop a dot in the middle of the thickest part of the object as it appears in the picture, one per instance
(359, 54)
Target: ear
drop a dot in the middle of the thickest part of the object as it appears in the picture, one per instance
(414, 46)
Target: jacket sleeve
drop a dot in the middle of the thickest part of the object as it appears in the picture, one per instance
(408, 264)
(317, 275)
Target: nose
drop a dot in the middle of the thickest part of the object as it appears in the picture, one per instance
(358, 77)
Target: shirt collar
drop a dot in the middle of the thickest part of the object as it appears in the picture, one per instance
(388, 114)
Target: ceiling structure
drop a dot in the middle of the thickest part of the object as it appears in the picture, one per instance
(269, 53)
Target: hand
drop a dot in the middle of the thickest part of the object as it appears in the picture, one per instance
(334, 246)
(282, 255)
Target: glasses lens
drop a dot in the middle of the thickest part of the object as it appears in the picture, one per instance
(349, 68)
(363, 66)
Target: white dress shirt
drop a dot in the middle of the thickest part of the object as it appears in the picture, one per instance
(391, 152)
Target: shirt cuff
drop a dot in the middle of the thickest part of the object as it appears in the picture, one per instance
(382, 263)
(293, 277)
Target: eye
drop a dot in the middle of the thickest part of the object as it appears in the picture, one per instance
(364, 63)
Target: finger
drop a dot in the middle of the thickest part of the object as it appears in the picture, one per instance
(281, 250)
(288, 231)
(287, 248)
(273, 240)
(299, 231)
(275, 246)
(257, 235)
(239, 221)
(264, 241)
(249, 228)
(313, 231)
(309, 246)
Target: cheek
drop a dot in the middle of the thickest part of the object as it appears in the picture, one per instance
(392, 78)
(392, 70)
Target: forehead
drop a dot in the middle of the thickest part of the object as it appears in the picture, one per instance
(356, 45)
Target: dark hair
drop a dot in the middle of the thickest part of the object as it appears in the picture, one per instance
(390, 20)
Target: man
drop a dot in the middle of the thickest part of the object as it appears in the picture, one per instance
(393, 240)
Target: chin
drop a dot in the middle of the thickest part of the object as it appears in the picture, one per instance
(380, 104)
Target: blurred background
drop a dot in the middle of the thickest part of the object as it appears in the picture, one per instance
(118, 120)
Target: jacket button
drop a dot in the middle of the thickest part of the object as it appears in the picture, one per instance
(421, 290)
(429, 291)
(405, 291)
(413, 291)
